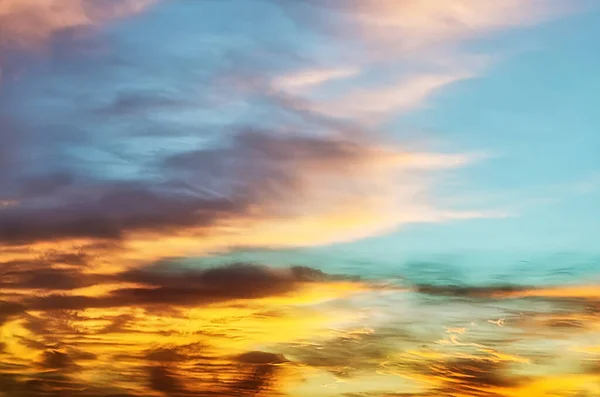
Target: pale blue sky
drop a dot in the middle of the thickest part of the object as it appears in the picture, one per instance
(536, 111)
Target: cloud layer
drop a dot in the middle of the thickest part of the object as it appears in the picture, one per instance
(248, 329)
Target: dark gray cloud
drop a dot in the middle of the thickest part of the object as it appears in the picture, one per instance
(162, 379)
(165, 356)
(47, 278)
(261, 358)
(256, 168)
(142, 102)
(173, 287)
(106, 212)
(469, 291)
(85, 137)
(8, 310)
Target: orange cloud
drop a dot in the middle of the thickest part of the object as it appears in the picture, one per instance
(100, 351)
(308, 340)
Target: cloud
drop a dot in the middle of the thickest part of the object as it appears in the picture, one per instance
(581, 291)
(471, 291)
(161, 379)
(136, 103)
(64, 341)
(197, 141)
(311, 78)
(414, 48)
(8, 310)
(395, 99)
(412, 24)
(254, 190)
(106, 212)
(27, 24)
(259, 381)
(59, 360)
(472, 378)
(249, 379)
(296, 170)
(261, 358)
(31, 26)
(168, 286)
(348, 355)
(306, 341)
(42, 276)
(165, 355)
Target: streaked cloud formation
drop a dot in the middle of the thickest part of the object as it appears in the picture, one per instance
(139, 135)
(413, 23)
(252, 330)
(311, 78)
(258, 184)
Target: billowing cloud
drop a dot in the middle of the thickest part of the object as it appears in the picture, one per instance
(260, 188)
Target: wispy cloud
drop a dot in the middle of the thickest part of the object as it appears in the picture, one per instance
(415, 24)
(311, 78)
(28, 24)
(414, 36)
(31, 25)
(408, 94)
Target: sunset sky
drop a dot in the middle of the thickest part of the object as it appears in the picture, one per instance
(355, 198)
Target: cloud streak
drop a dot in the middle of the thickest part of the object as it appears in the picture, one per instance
(194, 332)
(276, 187)
(412, 24)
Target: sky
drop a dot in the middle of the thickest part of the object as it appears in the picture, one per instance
(348, 198)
